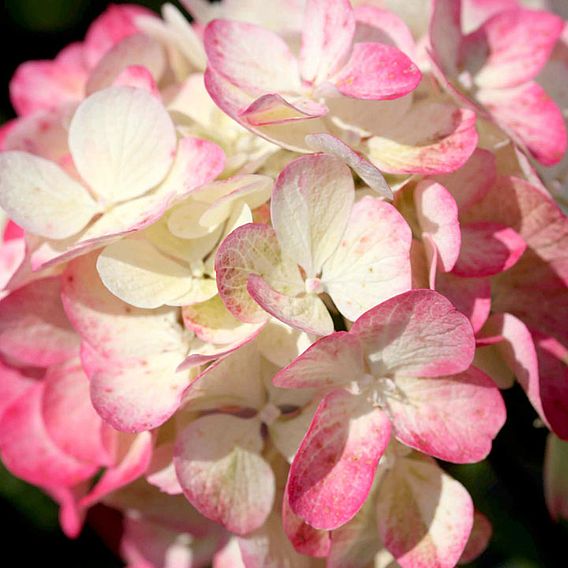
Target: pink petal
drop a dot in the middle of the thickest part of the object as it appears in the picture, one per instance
(555, 481)
(69, 416)
(47, 85)
(519, 43)
(432, 138)
(479, 538)
(418, 333)
(488, 249)
(15, 383)
(134, 51)
(138, 77)
(371, 263)
(471, 296)
(437, 214)
(532, 117)
(329, 26)
(333, 471)
(553, 371)
(272, 67)
(304, 538)
(454, 418)
(331, 361)
(33, 326)
(357, 162)
(473, 180)
(28, 451)
(222, 473)
(115, 23)
(274, 109)
(377, 72)
(425, 517)
(134, 454)
(307, 313)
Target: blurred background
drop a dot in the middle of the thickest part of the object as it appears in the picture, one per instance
(507, 487)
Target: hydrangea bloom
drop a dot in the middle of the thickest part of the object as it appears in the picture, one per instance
(262, 268)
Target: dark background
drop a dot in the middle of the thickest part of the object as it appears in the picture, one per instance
(507, 487)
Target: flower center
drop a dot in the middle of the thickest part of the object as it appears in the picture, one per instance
(313, 286)
(269, 414)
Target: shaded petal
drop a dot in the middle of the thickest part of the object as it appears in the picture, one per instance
(41, 198)
(222, 473)
(488, 249)
(555, 481)
(123, 142)
(274, 109)
(329, 27)
(418, 333)
(33, 327)
(425, 517)
(454, 418)
(334, 468)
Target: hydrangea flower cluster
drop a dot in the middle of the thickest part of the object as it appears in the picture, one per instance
(261, 270)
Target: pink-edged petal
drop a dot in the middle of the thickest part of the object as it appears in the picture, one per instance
(136, 51)
(116, 330)
(532, 117)
(488, 249)
(357, 162)
(519, 43)
(40, 197)
(69, 416)
(424, 516)
(334, 468)
(445, 34)
(473, 180)
(332, 361)
(274, 109)
(437, 214)
(33, 327)
(307, 313)
(133, 395)
(252, 249)
(133, 458)
(377, 72)
(310, 207)
(432, 138)
(555, 480)
(471, 296)
(304, 538)
(417, 333)
(329, 27)
(371, 263)
(454, 418)
(271, 68)
(14, 383)
(28, 451)
(269, 547)
(222, 473)
(46, 85)
(479, 538)
(112, 26)
(127, 160)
